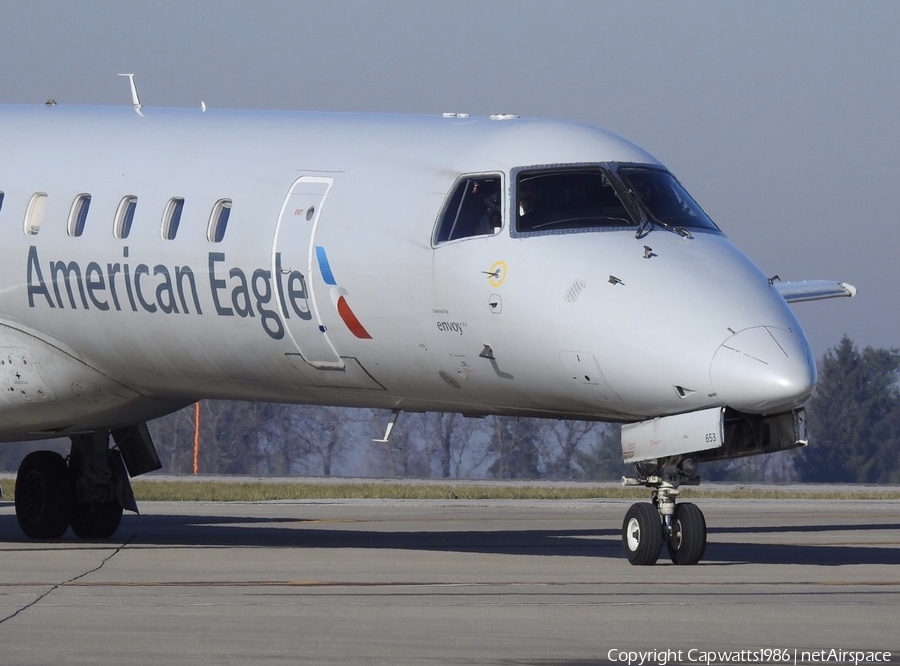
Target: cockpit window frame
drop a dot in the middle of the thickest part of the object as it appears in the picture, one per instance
(687, 201)
(463, 217)
(638, 223)
(552, 170)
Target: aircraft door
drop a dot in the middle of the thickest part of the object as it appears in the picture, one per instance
(294, 267)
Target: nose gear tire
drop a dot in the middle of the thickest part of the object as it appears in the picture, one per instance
(642, 534)
(688, 540)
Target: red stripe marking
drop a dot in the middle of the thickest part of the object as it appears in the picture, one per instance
(350, 319)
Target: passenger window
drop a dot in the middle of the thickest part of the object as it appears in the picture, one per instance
(125, 216)
(78, 214)
(35, 213)
(474, 209)
(172, 218)
(218, 221)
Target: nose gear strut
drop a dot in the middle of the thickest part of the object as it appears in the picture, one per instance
(648, 524)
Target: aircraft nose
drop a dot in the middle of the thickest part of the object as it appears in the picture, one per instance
(763, 369)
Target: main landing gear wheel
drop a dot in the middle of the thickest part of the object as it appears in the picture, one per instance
(45, 494)
(642, 534)
(687, 542)
(96, 521)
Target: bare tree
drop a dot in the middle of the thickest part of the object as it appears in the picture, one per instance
(173, 436)
(456, 443)
(514, 446)
(404, 454)
(560, 442)
(601, 460)
(283, 449)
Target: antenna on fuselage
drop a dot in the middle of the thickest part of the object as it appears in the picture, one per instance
(135, 100)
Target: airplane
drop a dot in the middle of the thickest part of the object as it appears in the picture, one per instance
(484, 265)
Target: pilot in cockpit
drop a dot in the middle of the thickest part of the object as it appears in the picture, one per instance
(492, 213)
(490, 219)
(528, 191)
(530, 213)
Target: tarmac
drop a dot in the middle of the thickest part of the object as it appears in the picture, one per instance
(539, 583)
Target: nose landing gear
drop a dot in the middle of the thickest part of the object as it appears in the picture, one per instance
(648, 524)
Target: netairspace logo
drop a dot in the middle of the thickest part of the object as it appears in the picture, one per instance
(761, 656)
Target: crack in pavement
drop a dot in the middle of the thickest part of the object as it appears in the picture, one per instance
(67, 582)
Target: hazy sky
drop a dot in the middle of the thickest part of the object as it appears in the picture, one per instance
(781, 118)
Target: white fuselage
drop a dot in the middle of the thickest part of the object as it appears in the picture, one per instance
(328, 286)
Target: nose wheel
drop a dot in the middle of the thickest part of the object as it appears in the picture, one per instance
(687, 542)
(647, 525)
(642, 532)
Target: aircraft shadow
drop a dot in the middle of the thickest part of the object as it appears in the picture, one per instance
(819, 554)
(255, 532)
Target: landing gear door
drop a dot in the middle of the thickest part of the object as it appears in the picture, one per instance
(673, 435)
(295, 264)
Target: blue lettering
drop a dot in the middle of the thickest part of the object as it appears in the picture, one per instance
(170, 290)
(128, 282)
(215, 285)
(299, 301)
(165, 295)
(34, 271)
(67, 272)
(263, 296)
(240, 295)
(94, 284)
(111, 271)
(182, 273)
(142, 269)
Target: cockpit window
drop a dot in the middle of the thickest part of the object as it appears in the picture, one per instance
(474, 209)
(664, 199)
(605, 196)
(569, 199)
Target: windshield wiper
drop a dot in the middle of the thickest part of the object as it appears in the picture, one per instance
(649, 219)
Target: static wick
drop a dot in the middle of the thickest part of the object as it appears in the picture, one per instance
(135, 100)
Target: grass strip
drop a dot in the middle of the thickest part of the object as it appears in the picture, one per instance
(191, 490)
(249, 491)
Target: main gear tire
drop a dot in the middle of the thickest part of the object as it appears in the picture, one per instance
(45, 495)
(96, 521)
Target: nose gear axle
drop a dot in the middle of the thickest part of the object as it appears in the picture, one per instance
(648, 524)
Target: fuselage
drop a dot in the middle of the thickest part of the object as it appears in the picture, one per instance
(152, 260)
